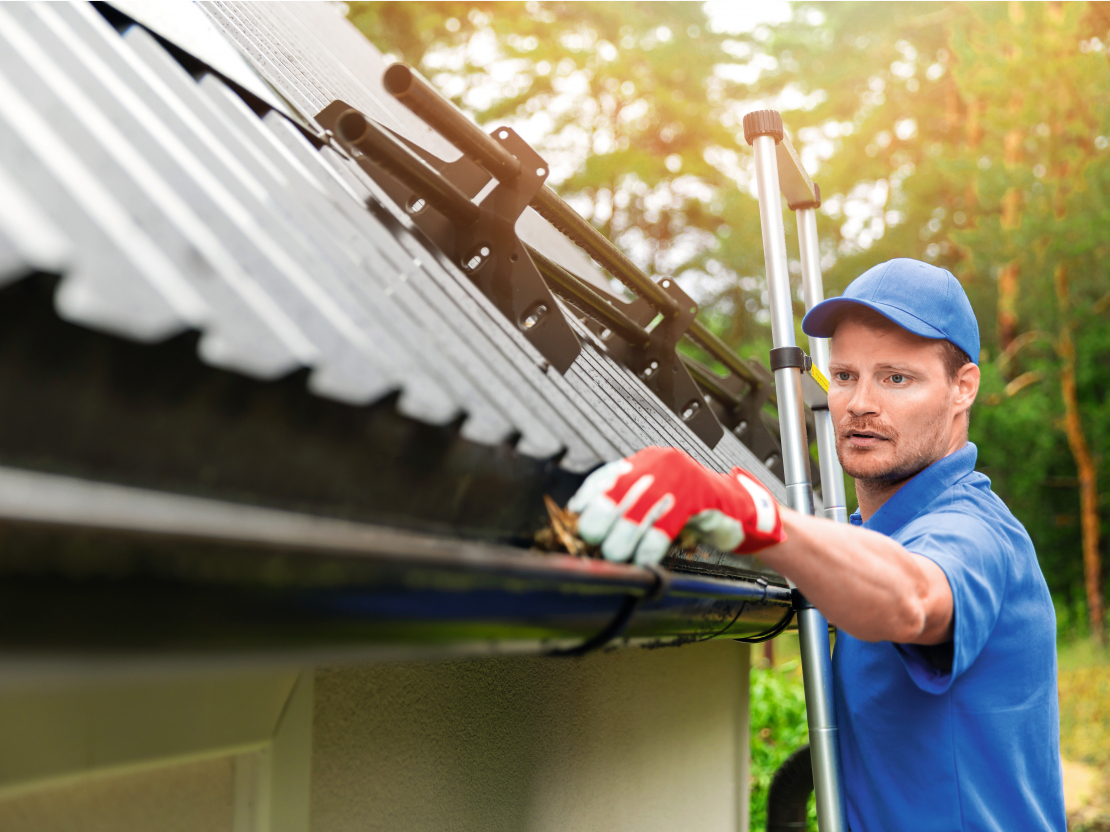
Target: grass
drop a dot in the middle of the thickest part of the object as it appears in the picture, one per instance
(1084, 684)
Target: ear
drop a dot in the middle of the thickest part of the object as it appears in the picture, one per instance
(967, 387)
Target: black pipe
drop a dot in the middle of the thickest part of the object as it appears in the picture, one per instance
(423, 99)
(585, 295)
(203, 572)
(701, 335)
(552, 208)
(788, 797)
(356, 130)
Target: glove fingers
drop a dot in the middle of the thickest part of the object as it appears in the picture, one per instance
(717, 529)
(598, 517)
(652, 548)
(625, 535)
(598, 483)
(766, 514)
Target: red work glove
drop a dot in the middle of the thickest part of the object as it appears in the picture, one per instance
(635, 507)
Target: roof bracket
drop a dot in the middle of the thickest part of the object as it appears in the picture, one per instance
(480, 237)
(657, 362)
(739, 405)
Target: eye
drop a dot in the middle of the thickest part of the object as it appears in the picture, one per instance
(843, 376)
(897, 378)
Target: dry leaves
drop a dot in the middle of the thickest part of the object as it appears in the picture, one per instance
(561, 533)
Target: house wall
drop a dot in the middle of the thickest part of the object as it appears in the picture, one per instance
(630, 739)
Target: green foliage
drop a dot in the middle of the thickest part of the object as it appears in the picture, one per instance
(1042, 185)
(1085, 723)
(778, 725)
(873, 84)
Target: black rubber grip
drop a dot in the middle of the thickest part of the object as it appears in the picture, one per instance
(762, 123)
(788, 357)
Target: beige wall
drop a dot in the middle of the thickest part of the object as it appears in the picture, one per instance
(629, 740)
(155, 746)
(188, 797)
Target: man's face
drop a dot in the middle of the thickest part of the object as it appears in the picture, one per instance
(893, 405)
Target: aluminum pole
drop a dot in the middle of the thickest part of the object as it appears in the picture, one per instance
(788, 380)
(812, 626)
(816, 649)
(832, 475)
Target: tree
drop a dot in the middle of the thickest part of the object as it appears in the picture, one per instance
(625, 100)
(1043, 214)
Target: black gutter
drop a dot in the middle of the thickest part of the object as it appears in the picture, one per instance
(99, 566)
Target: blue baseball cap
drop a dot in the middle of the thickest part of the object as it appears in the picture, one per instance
(924, 299)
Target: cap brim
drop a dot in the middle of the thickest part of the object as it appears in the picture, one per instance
(822, 319)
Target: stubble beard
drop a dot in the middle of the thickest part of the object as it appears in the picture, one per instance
(913, 453)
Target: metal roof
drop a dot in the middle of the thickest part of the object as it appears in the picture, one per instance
(198, 302)
(168, 205)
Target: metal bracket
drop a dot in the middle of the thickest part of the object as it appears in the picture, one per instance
(815, 387)
(757, 430)
(486, 249)
(658, 364)
(739, 404)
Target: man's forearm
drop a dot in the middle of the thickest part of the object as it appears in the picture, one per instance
(865, 583)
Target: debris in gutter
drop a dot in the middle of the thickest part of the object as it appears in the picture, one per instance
(560, 535)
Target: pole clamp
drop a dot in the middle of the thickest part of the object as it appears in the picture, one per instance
(798, 602)
(782, 357)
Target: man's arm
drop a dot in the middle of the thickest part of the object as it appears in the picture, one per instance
(864, 582)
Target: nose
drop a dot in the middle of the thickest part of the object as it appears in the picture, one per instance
(863, 401)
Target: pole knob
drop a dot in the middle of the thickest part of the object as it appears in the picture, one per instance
(762, 123)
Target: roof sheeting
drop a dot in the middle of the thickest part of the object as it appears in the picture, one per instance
(168, 205)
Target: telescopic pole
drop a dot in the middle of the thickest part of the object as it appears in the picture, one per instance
(763, 130)
(832, 475)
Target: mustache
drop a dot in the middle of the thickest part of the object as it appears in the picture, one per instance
(875, 427)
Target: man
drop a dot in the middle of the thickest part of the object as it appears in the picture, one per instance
(945, 663)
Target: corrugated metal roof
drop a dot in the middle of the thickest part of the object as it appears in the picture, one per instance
(168, 205)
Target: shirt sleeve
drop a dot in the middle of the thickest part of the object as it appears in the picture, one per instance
(976, 562)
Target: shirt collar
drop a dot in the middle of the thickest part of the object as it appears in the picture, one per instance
(916, 495)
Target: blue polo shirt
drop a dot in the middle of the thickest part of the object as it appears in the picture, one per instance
(976, 746)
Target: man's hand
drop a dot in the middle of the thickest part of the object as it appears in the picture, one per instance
(635, 507)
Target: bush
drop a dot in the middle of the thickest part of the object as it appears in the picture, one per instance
(778, 722)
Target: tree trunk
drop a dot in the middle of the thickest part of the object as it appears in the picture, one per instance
(1088, 488)
(1007, 305)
